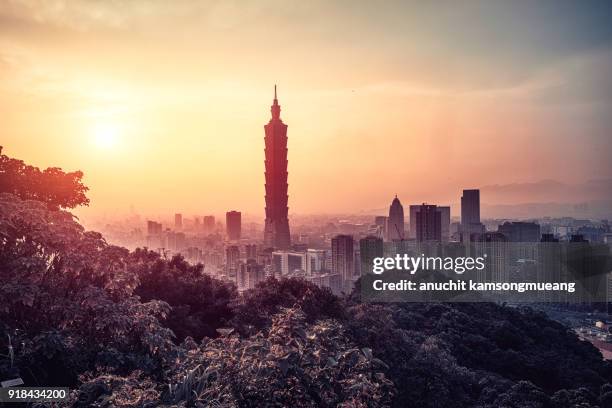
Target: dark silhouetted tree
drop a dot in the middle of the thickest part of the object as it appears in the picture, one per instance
(52, 186)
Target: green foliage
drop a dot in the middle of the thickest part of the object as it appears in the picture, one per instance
(66, 298)
(258, 306)
(291, 364)
(199, 304)
(480, 354)
(52, 186)
(78, 312)
(134, 390)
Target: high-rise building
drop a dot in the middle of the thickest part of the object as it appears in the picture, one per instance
(296, 262)
(412, 210)
(180, 240)
(395, 222)
(279, 263)
(276, 230)
(288, 262)
(250, 251)
(370, 247)
(154, 228)
(169, 240)
(357, 263)
(232, 260)
(343, 257)
(470, 213)
(445, 221)
(428, 223)
(249, 275)
(470, 207)
(315, 261)
(178, 221)
(208, 223)
(550, 264)
(155, 239)
(233, 225)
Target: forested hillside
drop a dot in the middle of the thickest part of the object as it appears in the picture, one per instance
(132, 329)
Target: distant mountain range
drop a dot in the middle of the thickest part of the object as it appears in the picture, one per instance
(548, 191)
(592, 199)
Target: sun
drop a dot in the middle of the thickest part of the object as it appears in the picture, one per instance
(105, 135)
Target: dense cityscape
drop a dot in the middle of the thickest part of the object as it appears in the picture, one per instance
(225, 246)
(418, 216)
(334, 251)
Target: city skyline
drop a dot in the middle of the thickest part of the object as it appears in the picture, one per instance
(428, 221)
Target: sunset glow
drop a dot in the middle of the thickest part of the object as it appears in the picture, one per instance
(379, 93)
(106, 135)
(320, 203)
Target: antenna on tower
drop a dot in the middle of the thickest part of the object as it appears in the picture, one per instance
(274, 91)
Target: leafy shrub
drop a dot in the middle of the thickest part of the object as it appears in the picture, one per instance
(54, 187)
(199, 303)
(259, 305)
(294, 363)
(66, 297)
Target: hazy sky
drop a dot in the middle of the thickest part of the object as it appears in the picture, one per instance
(162, 103)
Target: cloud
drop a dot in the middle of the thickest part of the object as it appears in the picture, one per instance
(548, 191)
(78, 15)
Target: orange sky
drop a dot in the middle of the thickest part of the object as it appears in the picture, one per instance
(162, 104)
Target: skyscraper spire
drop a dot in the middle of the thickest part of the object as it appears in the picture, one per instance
(275, 108)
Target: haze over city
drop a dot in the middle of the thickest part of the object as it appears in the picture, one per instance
(320, 203)
(162, 105)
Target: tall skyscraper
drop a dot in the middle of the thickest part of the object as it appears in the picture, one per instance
(428, 223)
(233, 225)
(178, 221)
(470, 207)
(395, 222)
(276, 231)
(470, 213)
(343, 258)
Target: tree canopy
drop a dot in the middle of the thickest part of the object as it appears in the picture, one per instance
(52, 186)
